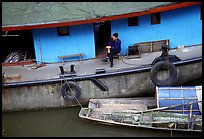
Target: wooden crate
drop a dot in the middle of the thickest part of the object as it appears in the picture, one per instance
(152, 46)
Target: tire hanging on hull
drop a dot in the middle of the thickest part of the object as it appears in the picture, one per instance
(70, 91)
(171, 80)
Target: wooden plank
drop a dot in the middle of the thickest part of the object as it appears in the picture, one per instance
(149, 101)
(19, 63)
(177, 98)
(191, 108)
(12, 76)
(156, 46)
(151, 46)
(183, 88)
(199, 96)
(167, 107)
(71, 55)
(180, 110)
(15, 77)
(88, 113)
(124, 106)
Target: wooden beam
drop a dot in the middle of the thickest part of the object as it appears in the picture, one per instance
(103, 19)
(20, 63)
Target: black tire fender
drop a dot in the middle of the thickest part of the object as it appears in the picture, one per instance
(74, 91)
(172, 80)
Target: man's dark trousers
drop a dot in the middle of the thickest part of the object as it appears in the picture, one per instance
(110, 55)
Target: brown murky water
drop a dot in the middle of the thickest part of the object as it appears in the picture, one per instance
(65, 122)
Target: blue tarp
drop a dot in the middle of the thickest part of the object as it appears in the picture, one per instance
(167, 96)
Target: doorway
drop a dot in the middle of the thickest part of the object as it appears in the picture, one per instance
(19, 42)
(102, 34)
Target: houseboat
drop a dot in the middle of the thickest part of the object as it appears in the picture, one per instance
(48, 32)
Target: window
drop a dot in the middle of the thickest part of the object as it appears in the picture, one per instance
(155, 18)
(63, 31)
(133, 21)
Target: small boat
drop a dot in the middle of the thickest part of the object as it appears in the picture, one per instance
(132, 113)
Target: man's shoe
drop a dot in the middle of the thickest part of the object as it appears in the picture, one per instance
(105, 60)
(111, 65)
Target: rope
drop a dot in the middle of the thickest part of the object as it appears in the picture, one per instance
(122, 57)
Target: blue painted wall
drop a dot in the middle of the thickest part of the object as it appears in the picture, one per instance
(181, 26)
(81, 39)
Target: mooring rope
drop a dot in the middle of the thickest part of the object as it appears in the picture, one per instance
(122, 57)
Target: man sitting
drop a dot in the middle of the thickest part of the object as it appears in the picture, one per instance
(113, 48)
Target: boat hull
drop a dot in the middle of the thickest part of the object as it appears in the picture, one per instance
(133, 82)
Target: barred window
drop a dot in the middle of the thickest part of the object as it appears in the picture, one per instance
(155, 18)
(63, 31)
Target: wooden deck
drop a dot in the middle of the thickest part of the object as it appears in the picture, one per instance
(51, 71)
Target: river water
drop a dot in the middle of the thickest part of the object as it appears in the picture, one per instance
(65, 122)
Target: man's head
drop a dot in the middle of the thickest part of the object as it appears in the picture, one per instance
(164, 47)
(115, 36)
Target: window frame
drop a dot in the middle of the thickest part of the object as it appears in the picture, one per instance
(156, 18)
(133, 21)
(63, 31)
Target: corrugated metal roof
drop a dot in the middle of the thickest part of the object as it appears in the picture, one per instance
(32, 13)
